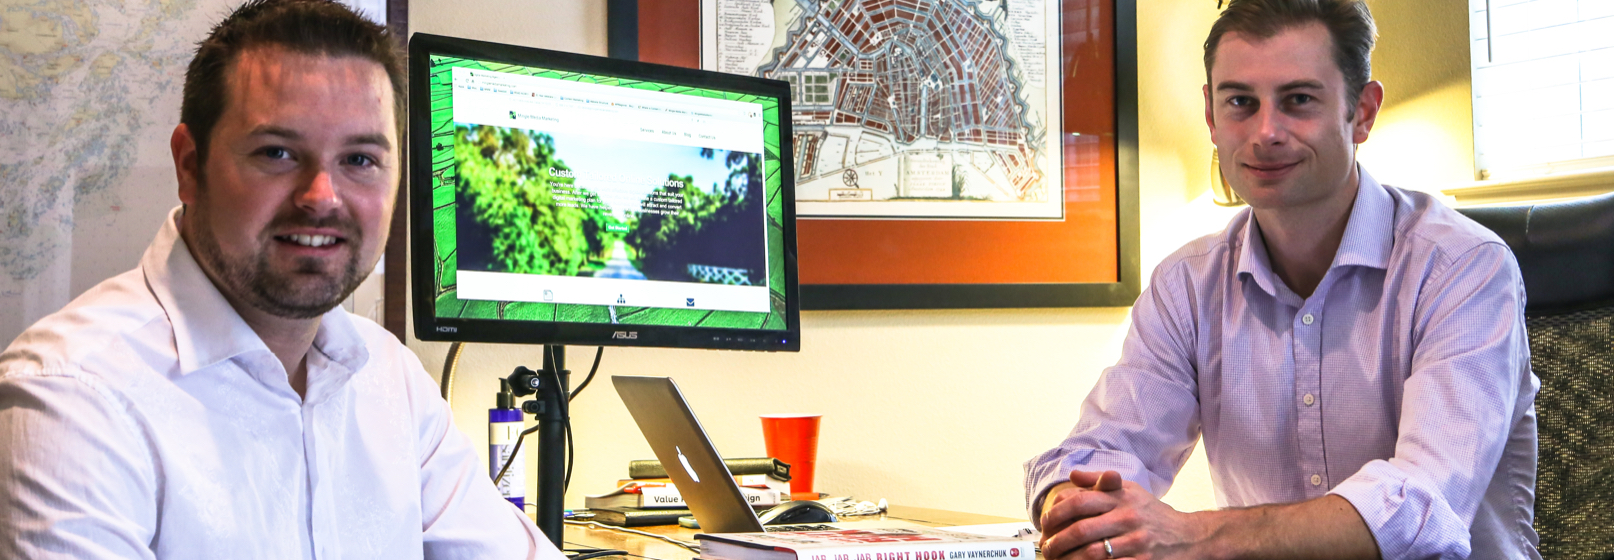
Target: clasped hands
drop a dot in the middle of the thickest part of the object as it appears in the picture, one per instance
(1094, 507)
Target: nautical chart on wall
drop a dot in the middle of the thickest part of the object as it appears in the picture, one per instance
(935, 109)
(89, 95)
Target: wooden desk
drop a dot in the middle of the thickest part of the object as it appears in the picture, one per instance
(581, 536)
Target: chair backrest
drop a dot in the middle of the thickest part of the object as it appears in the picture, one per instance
(1566, 255)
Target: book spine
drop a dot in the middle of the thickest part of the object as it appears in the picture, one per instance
(762, 497)
(662, 497)
(759, 481)
(631, 518)
(923, 551)
(650, 468)
(746, 480)
(668, 497)
(646, 469)
(741, 480)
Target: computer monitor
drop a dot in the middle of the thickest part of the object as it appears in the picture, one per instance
(559, 198)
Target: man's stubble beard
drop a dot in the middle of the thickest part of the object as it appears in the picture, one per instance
(252, 280)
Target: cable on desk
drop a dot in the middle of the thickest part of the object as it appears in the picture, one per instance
(621, 553)
(594, 553)
(693, 547)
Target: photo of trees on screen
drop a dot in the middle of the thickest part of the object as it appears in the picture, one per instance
(531, 202)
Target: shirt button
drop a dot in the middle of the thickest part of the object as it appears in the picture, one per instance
(1308, 399)
(1307, 318)
(1316, 480)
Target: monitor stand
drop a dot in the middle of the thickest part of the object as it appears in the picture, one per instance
(551, 410)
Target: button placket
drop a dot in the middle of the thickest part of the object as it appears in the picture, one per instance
(1307, 348)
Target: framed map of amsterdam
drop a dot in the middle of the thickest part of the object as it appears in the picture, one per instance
(934, 110)
(948, 153)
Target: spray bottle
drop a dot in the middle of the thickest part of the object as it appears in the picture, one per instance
(504, 429)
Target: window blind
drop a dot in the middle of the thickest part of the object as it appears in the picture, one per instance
(1543, 84)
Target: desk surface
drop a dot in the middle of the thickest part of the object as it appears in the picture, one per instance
(583, 536)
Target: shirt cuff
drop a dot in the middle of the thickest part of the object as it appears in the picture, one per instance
(1407, 515)
(1053, 467)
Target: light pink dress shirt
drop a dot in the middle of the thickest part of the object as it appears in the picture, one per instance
(1402, 383)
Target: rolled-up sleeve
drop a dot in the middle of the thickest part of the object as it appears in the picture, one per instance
(1142, 418)
(1470, 382)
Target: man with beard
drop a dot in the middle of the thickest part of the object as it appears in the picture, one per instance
(1354, 354)
(216, 402)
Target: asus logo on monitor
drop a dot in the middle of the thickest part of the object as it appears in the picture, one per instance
(448, 329)
(625, 335)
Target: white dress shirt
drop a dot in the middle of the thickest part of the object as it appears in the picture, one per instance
(147, 420)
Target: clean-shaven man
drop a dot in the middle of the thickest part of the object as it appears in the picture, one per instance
(1354, 354)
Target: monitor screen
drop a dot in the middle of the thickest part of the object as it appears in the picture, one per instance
(569, 199)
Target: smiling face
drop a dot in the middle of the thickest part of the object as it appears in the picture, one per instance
(1283, 123)
(290, 210)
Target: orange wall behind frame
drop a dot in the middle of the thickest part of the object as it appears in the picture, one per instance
(669, 32)
(1082, 248)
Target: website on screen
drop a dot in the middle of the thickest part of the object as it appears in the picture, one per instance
(583, 193)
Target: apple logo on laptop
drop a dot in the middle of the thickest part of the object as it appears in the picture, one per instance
(685, 461)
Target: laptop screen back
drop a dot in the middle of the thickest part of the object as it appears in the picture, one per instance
(694, 465)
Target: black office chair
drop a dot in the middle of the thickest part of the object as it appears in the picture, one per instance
(1566, 254)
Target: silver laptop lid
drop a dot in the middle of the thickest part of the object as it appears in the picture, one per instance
(687, 454)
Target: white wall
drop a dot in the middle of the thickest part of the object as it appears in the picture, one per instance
(564, 25)
(925, 408)
(1422, 58)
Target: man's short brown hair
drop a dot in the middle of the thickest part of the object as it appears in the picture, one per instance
(1349, 24)
(314, 27)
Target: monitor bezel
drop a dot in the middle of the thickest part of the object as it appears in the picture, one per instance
(429, 327)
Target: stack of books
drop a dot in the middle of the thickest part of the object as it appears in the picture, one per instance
(648, 497)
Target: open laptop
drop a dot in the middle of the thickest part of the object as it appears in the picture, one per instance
(687, 454)
(693, 463)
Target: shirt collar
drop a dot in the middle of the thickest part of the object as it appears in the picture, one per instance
(1367, 241)
(207, 329)
(340, 340)
(1253, 261)
(1369, 234)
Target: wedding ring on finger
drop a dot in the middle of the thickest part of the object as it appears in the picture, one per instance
(1108, 550)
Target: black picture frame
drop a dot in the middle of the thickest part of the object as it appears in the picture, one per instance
(395, 255)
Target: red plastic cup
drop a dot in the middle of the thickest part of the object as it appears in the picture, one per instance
(793, 438)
